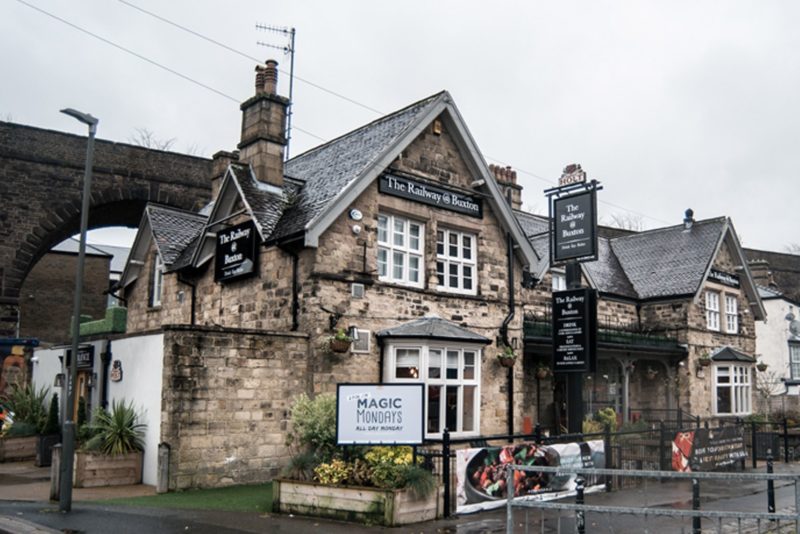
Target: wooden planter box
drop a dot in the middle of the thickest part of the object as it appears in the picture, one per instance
(18, 449)
(371, 506)
(93, 469)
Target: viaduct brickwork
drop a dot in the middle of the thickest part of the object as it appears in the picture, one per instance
(41, 177)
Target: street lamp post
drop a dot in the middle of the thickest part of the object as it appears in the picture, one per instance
(68, 450)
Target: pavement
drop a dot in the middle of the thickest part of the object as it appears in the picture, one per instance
(25, 509)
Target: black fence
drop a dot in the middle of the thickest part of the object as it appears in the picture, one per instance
(642, 449)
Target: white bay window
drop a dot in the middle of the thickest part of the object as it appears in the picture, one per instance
(733, 391)
(451, 374)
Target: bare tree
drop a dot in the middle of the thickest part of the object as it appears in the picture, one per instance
(7, 117)
(768, 385)
(146, 138)
(793, 248)
(627, 221)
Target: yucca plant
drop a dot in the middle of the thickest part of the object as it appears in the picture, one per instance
(117, 431)
(28, 405)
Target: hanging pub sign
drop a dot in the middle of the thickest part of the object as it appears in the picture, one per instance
(236, 253)
(573, 234)
(379, 414)
(726, 279)
(85, 357)
(439, 197)
(574, 331)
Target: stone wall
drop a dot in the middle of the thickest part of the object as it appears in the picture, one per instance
(226, 400)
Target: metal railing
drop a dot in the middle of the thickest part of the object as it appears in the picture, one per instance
(580, 507)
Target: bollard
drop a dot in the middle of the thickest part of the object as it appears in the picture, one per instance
(608, 453)
(537, 432)
(162, 484)
(580, 519)
(770, 485)
(754, 441)
(55, 473)
(696, 522)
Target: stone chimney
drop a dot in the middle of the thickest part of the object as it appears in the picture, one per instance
(219, 164)
(762, 276)
(264, 127)
(506, 178)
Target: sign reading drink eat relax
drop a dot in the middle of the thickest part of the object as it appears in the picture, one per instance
(236, 253)
(375, 414)
(574, 327)
(431, 195)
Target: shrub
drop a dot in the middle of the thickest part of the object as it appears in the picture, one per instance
(51, 423)
(607, 417)
(332, 473)
(28, 405)
(21, 429)
(117, 431)
(314, 425)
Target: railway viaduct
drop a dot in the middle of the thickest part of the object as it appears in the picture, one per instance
(41, 179)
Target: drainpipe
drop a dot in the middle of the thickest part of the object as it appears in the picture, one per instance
(504, 329)
(295, 291)
(105, 358)
(194, 296)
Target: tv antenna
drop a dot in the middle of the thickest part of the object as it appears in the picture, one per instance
(287, 49)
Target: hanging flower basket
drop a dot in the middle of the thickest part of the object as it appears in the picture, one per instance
(340, 345)
(340, 342)
(704, 361)
(651, 374)
(507, 356)
(761, 366)
(542, 373)
(506, 362)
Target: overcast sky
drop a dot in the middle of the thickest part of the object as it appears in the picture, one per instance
(670, 105)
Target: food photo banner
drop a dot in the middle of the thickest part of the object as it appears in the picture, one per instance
(481, 474)
(705, 449)
(379, 414)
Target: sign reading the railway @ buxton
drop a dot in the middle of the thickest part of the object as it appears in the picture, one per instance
(574, 331)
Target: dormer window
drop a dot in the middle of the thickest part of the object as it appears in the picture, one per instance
(157, 281)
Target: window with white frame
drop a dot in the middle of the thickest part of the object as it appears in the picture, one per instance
(455, 261)
(794, 359)
(401, 245)
(559, 281)
(712, 310)
(157, 281)
(732, 385)
(451, 374)
(731, 314)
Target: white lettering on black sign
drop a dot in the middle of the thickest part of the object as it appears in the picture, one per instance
(431, 195)
(236, 252)
(574, 227)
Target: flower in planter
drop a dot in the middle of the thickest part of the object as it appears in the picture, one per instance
(507, 356)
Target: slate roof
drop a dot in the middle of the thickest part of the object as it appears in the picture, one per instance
(657, 263)
(532, 224)
(173, 230)
(729, 354)
(432, 328)
(669, 261)
(266, 203)
(328, 169)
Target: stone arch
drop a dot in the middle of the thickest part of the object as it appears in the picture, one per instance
(41, 178)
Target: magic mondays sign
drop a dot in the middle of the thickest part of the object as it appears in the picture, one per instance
(375, 414)
(236, 252)
(428, 194)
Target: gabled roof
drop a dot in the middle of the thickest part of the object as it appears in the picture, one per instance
(172, 230)
(785, 269)
(336, 173)
(433, 328)
(669, 261)
(654, 264)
